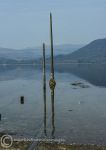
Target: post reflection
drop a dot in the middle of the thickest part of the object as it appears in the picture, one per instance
(53, 114)
(45, 113)
(45, 132)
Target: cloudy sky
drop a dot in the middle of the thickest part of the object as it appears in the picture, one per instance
(25, 23)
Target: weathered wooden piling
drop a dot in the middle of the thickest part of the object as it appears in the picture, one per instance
(51, 40)
(22, 100)
(52, 85)
(52, 82)
(44, 67)
(44, 88)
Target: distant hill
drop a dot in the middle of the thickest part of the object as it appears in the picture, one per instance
(94, 52)
(30, 55)
(91, 53)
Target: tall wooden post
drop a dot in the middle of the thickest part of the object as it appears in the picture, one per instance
(44, 88)
(44, 67)
(52, 82)
(51, 40)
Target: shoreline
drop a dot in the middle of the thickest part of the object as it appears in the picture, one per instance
(23, 145)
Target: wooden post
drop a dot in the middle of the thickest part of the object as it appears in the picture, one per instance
(51, 40)
(44, 88)
(44, 67)
(52, 82)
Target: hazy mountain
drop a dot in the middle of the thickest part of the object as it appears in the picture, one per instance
(31, 54)
(23, 54)
(93, 52)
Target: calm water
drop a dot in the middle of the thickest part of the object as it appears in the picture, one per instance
(79, 113)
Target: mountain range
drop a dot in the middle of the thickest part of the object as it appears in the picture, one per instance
(94, 52)
(30, 54)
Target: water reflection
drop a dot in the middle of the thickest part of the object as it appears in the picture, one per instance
(44, 91)
(45, 114)
(53, 114)
(86, 119)
(93, 73)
